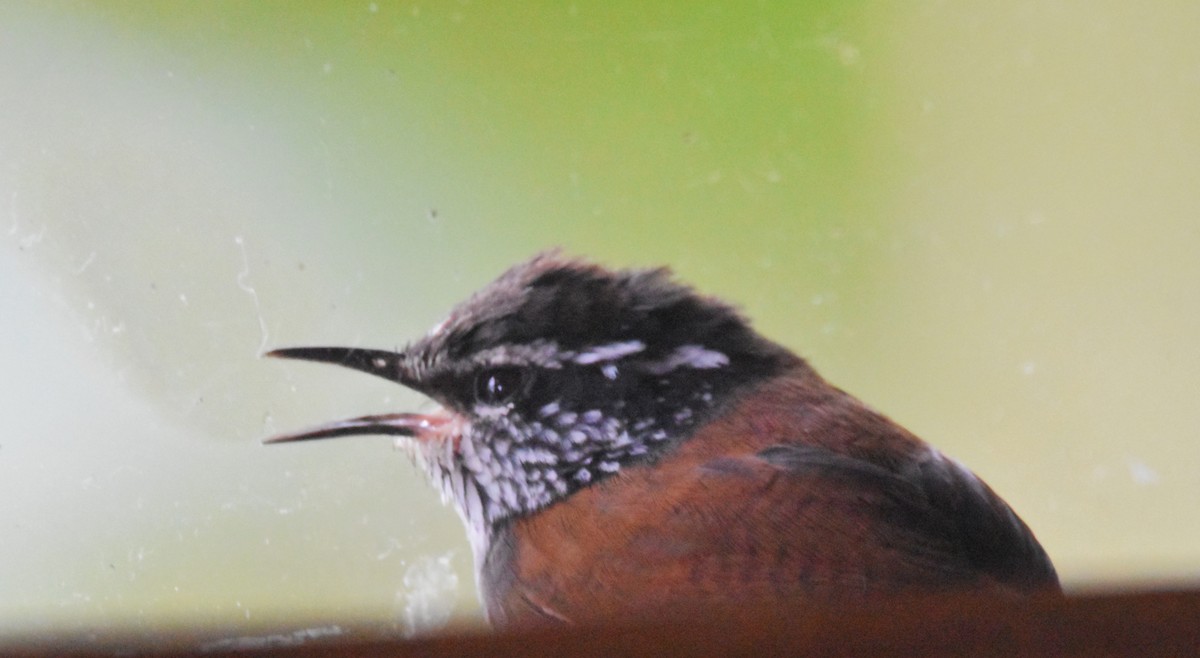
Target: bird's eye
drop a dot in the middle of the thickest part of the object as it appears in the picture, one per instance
(498, 385)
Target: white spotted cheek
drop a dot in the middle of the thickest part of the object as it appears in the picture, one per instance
(549, 410)
(493, 412)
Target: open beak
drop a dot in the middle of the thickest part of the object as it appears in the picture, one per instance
(390, 366)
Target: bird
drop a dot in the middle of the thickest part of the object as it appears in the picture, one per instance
(619, 444)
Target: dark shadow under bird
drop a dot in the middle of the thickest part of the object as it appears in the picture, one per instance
(618, 444)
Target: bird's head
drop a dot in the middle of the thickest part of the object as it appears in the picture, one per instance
(557, 375)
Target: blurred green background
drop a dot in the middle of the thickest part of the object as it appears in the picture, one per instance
(982, 218)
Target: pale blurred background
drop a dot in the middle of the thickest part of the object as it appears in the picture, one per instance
(982, 218)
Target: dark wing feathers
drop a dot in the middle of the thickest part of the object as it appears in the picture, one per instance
(936, 507)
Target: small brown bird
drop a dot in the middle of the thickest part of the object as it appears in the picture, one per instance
(618, 444)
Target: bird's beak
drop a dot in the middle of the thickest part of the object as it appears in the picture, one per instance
(390, 366)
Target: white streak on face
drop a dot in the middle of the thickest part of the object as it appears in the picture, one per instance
(609, 352)
(543, 353)
(493, 412)
(456, 485)
(474, 508)
(689, 356)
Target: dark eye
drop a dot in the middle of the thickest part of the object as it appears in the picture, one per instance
(498, 385)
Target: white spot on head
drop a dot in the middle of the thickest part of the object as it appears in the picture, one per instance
(379, 362)
(689, 356)
(609, 352)
(696, 356)
(544, 353)
(609, 370)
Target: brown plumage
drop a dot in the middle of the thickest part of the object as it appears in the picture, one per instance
(618, 444)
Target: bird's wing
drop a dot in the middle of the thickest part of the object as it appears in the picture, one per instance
(933, 514)
(787, 522)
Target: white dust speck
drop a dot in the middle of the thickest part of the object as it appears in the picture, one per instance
(1028, 368)
(32, 239)
(392, 546)
(847, 53)
(1141, 473)
(428, 596)
(253, 642)
(12, 213)
(241, 283)
(87, 262)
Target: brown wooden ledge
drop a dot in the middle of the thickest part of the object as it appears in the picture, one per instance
(1136, 624)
